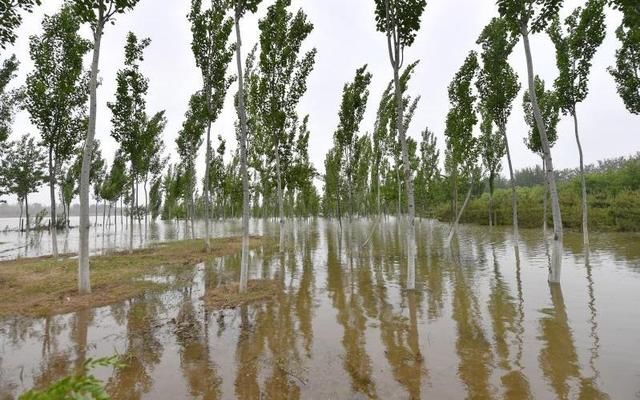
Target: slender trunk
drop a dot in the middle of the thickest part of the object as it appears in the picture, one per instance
(491, 179)
(104, 209)
(280, 195)
(84, 282)
(26, 210)
(95, 220)
(133, 202)
(583, 180)
(454, 228)
(244, 264)
(544, 200)
(20, 224)
(514, 193)
(205, 190)
(52, 218)
(555, 203)
(146, 206)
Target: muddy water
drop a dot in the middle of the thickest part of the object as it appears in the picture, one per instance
(482, 325)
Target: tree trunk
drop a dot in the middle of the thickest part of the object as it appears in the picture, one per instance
(514, 193)
(454, 228)
(244, 264)
(146, 206)
(52, 218)
(205, 190)
(583, 180)
(26, 210)
(95, 220)
(104, 210)
(544, 200)
(555, 202)
(84, 282)
(492, 176)
(133, 202)
(280, 195)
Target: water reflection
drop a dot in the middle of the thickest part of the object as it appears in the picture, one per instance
(482, 324)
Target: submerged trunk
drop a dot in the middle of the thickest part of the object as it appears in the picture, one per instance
(52, 218)
(454, 227)
(84, 283)
(244, 264)
(583, 181)
(555, 202)
(491, 179)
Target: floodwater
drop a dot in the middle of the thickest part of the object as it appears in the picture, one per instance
(481, 325)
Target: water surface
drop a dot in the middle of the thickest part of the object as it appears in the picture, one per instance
(482, 325)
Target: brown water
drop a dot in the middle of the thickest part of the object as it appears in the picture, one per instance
(480, 326)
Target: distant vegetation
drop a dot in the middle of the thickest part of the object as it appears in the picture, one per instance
(614, 197)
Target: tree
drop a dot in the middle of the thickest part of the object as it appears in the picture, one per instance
(56, 93)
(626, 72)
(240, 7)
(151, 161)
(400, 21)
(25, 169)
(129, 115)
(526, 17)
(211, 29)
(8, 98)
(462, 147)
(492, 148)
(283, 73)
(10, 18)
(548, 103)
(428, 169)
(155, 198)
(97, 13)
(575, 48)
(352, 108)
(497, 88)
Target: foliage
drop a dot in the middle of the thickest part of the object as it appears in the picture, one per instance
(528, 16)
(428, 171)
(492, 147)
(10, 18)
(25, 167)
(627, 69)
(57, 89)
(80, 386)
(585, 31)
(550, 110)
(98, 12)
(8, 99)
(400, 18)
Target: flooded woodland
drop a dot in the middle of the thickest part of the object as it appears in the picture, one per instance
(481, 324)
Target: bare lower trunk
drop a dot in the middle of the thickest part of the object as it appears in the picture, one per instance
(84, 282)
(491, 178)
(205, 190)
(555, 202)
(26, 210)
(454, 228)
(52, 218)
(244, 264)
(131, 206)
(544, 200)
(583, 181)
(280, 196)
(514, 193)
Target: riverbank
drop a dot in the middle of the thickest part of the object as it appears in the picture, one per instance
(44, 286)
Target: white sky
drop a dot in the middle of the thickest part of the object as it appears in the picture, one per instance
(346, 38)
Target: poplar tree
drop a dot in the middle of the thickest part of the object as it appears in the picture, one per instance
(56, 94)
(283, 71)
(129, 115)
(400, 21)
(428, 168)
(240, 8)
(576, 44)
(527, 17)
(548, 102)
(491, 146)
(25, 170)
(354, 103)
(497, 88)
(210, 29)
(97, 13)
(462, 146)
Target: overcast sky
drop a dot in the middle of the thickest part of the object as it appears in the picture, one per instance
(345, 38)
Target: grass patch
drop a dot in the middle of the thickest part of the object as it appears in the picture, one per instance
(45, 286)
(229, 296)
